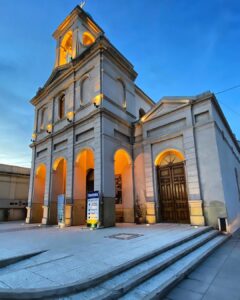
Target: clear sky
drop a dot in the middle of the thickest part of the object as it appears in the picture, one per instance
(178, 48)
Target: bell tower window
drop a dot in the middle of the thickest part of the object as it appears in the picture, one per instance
(87, 39)
(66, 48)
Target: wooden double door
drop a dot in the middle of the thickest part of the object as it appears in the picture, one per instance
(173, 193)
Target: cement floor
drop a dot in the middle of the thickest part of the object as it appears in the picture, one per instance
(76, 253)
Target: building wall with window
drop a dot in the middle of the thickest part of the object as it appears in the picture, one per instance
(14, 184)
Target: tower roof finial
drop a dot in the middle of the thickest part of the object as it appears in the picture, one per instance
(82, 3)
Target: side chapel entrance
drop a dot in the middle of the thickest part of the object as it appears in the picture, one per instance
(172, 191)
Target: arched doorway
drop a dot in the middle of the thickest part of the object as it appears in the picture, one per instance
(124, 204)
(172, 191)
(38, 194)
(83, 183)
(58, 186)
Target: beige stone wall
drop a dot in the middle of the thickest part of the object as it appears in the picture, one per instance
(14, 185)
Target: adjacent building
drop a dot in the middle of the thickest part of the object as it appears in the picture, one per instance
(14, 186)
(172, 161)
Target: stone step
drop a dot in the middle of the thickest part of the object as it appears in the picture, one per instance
(117, 286)
(90, 284)
(159, 285)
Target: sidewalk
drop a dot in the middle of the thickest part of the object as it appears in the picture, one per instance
(218, 278)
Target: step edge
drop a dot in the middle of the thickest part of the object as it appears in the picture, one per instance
(85, 284)
(5, 262)
(187, 270)
(133, 282)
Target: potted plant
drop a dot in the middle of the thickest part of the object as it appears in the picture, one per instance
(139, 212)
(92, 223)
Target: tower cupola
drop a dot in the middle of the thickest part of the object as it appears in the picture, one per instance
(74, 35)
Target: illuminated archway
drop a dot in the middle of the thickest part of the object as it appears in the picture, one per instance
(66, 48)
(58, 186)
(38, 195)
(83, 183)
(124, 203)
(87, 38)
(169, 156)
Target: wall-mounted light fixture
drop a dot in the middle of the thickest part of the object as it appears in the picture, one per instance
(97, 100)
(70, 116)
(49, 128)
(34, 136)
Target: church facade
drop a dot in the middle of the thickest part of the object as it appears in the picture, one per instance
(95, 130)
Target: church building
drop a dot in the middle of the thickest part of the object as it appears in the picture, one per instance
(176, 160)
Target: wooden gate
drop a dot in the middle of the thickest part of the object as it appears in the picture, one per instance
(173, 194)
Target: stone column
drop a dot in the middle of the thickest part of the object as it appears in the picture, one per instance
(194, 193)
(48, 184)
(31, 188)
(69, 179)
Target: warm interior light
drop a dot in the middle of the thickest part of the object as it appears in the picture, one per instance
(66, 49)
(172, 152)
(87, 39)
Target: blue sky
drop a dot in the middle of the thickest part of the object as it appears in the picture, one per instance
(177, 47)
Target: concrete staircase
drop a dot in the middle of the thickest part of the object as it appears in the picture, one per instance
(156, 274)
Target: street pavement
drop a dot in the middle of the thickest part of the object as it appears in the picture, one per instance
(217, 278)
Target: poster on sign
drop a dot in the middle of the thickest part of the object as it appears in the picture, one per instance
(93, 208)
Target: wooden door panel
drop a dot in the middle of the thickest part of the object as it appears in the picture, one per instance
(173, 194)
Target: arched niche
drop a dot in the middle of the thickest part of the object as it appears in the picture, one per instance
(124, 202)
(38, 194)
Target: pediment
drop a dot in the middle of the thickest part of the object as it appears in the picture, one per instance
(55, 74)
(166, 106)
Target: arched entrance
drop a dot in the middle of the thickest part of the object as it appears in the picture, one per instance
(38, 194)
(58, 186)
(124, 205)
(172, 191)
(83, 183)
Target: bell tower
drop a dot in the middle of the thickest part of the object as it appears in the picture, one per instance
(74, 35)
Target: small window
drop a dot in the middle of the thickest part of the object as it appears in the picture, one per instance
(141, 113)
(61, 107)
